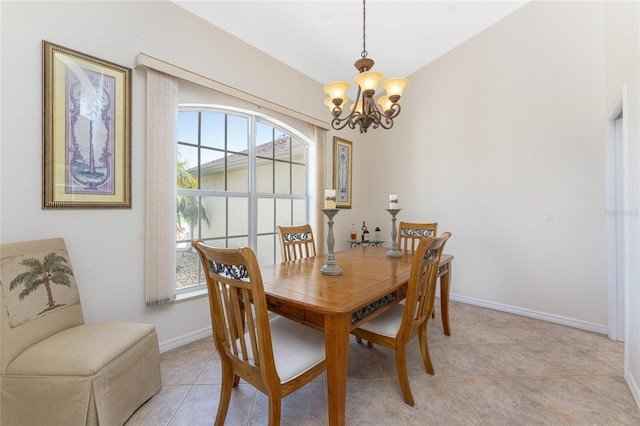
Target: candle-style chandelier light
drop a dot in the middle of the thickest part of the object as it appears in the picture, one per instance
(364, 112)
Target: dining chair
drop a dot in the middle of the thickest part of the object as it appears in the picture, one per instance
(409, 234)
(296, 242)
(276, 356)
(397, 326)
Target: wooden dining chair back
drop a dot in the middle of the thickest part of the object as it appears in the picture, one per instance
(296, 242)
(409, 234)
(395, 327)
(277, 356)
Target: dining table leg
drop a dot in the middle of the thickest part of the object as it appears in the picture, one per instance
(445, 284)
(336, 340)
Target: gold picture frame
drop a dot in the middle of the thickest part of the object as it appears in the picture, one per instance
(86, 121)
(342, 171)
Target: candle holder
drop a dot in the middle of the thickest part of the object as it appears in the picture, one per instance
(394, 252)
(330, 267)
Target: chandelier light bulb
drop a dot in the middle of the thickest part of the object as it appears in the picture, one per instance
(385, 103)
(395, 86)
(356, 108)
(368, 80)
(331, 104)
(337, 89)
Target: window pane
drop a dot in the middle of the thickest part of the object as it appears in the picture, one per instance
(283, 178)
(237, 173)
(188, 269)
(282, 148)
(298, 179)
(187, 217)
(237, 133)
(266, 249)
(218, 243)
(238, 216)
(264, 175)
(188, 127)
(212, 169)
(266, 213)
(238, 242)
(214, 207)
(283, 213)
(299, 212)
(264, 137)
(187, 164)
(212, 130)
(298, 151)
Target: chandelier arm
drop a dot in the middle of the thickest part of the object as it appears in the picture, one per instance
(339, 124)
(388, 125)
(395, 111)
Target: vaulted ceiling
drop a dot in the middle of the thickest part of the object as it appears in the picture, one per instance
(323, 39)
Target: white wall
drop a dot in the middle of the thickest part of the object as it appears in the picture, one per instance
(493, 134)
(107, 246)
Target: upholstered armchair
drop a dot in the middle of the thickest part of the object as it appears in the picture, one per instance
(54, 368)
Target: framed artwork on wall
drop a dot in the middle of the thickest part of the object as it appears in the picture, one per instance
(342, 168)
(86, 118)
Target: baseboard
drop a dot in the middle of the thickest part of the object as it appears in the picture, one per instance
(557, 319)
(633, 387)
(185, 339)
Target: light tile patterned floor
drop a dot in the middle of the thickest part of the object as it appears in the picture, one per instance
(495, 369)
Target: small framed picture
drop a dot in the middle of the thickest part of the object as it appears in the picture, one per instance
(86, 131)
(342, 168)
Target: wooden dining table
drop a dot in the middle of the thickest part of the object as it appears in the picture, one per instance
(369, 284)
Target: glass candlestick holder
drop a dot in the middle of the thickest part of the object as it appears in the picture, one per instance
(394, 252)
(330, 267)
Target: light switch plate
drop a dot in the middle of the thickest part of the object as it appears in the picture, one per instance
(549, 215)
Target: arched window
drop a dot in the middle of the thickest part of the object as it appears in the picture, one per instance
(239, 175)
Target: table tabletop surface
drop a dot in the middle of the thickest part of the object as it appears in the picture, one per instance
(367, 275)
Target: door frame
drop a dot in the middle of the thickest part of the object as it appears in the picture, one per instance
(617, 218)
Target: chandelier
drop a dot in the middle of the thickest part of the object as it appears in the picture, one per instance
(364, 112)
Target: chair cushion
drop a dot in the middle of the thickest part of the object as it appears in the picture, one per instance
(387, 323)
(296, 348)
(79, 351)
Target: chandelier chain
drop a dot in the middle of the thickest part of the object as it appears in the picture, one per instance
(364, 29)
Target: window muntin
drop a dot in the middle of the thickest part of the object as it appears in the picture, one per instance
(248, 176)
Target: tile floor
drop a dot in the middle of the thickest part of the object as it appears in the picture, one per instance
(495, 369)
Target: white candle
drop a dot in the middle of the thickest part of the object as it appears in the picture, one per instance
(329, 198)
(393, 201)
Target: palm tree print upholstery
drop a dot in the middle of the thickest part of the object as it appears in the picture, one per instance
(37, 284)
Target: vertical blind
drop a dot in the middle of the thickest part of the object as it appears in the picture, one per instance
(162, 113)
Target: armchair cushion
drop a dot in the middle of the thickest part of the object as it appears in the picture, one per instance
(79, 351)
